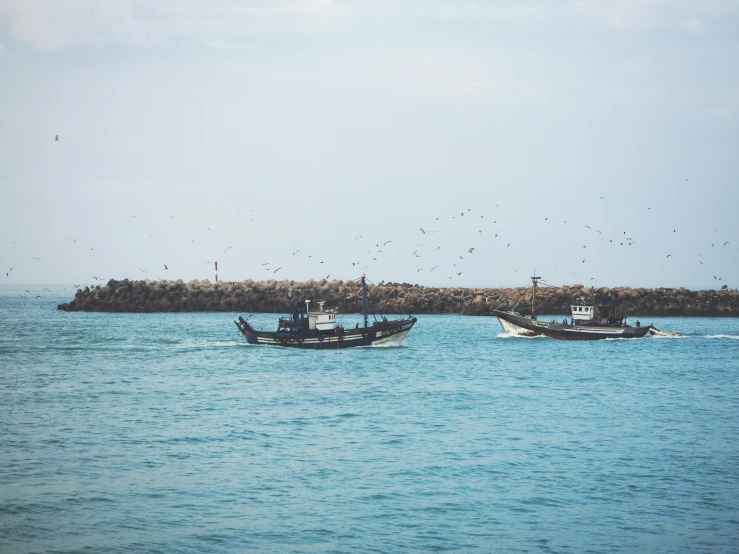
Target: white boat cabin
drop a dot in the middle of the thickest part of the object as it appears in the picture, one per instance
(583, 313)
(323, 320)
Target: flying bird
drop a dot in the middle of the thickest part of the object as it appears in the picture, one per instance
(727, 242)
(276, 270)
(386, 242)
(56, 138)
(668, 255)
(165, 267)
(470, 250)
(424, 232)
(70, 238)
(460, 273)
(38, 296)
(227, 249)
(433, 268)
(359, 237)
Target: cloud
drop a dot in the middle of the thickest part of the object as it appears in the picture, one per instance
(651, 14)
(692, 25)
(722, 113)
(51, 25)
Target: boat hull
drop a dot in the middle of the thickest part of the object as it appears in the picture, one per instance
(388, 333)
(513, 330)
(594, 333)
(518, 326)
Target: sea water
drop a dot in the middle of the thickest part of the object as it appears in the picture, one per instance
(168, 433)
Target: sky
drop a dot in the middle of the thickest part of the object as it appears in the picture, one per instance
(591, 141)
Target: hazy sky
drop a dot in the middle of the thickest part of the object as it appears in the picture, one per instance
(317, 121)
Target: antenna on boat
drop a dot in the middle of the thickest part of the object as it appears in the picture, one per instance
(535, 281)
(364, 298)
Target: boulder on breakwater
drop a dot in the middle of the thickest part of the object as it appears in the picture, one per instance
(393, 298)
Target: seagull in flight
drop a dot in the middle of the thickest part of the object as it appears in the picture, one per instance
(227, 249)
(70, 238)
(165, 267)
(424, 232)
(668, 255)
(727, 242)
(56, 138)
(276, 270)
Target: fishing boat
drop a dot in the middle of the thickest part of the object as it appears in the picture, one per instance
(319, 330)
(586, 323)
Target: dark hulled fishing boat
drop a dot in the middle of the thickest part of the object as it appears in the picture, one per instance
(586, 323)
(319, 330)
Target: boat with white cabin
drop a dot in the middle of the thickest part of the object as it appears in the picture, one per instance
(318, 329)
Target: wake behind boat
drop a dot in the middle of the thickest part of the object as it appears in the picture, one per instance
(319, 330)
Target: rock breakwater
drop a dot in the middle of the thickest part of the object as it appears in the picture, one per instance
(393, 298)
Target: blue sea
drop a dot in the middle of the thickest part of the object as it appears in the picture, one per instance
(168, 433)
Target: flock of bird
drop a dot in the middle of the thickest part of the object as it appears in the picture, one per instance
(432, 254)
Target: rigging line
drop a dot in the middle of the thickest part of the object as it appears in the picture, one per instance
(520, 299)
(373, 301)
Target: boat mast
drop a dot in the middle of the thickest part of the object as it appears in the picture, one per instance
(534, 280)
(364, 300)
